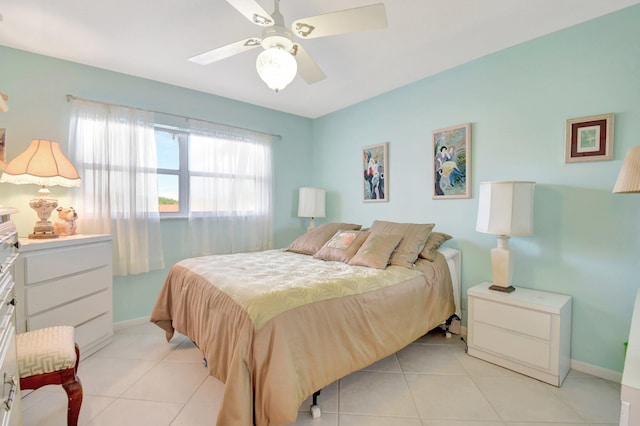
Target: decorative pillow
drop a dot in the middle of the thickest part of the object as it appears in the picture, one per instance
(313, 240)
(342, 246)
(434, 241)
(376, 251)
(414, 236)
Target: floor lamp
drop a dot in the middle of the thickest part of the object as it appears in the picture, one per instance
(311, 203)
(42, 163)
(504, 209)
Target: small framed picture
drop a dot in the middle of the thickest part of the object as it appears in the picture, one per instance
(589, 139)
(451, 160)
(375, 183)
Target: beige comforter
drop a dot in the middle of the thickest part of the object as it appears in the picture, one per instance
(276, 326)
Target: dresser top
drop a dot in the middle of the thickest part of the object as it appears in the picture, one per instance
(32, 244)
(7, 210)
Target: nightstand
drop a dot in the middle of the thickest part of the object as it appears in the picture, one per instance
(527, 331)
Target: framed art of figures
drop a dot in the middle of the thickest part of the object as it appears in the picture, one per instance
(589, 139)
(375, 184)
(451, 155)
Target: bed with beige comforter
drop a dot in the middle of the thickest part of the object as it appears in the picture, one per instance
(276, 326)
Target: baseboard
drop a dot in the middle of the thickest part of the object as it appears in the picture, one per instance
(121, 325)
(594, 370)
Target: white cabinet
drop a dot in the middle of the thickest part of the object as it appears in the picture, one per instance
(527, 331)
(630, 390)
(10, 409)
(67, 281)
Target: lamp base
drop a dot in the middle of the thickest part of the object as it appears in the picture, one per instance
(42, 236)
(43, 207)
(43, 231)
(502, 289)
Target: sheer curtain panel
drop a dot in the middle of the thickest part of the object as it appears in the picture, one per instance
(115, 152)
(230, 188)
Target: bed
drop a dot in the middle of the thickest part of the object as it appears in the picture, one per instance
(277, 326)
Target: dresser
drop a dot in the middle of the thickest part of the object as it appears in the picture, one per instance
(630, 389)
(528, 331)
(10, 410)
(67, 281)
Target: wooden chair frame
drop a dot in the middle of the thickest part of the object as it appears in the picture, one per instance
(69, 380)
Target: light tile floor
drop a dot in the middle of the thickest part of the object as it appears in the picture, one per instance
(141, 380)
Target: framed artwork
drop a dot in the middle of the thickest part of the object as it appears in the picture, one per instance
(375, 182)
(451, 160)
(589, 139)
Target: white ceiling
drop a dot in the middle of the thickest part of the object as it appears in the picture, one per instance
(154, 38)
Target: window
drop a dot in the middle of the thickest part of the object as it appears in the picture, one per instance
(200, 173)
(135, 171)
(173, 178)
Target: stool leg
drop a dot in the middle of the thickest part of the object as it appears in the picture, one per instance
(74, 393)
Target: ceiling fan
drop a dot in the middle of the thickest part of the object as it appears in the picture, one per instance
(282, 58)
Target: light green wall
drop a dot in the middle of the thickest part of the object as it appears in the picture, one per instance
(37, 87)
(587, 240)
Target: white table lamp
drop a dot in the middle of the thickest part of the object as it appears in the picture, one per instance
(629, 177)
(505, 209)
(311, 203)
(42, 163)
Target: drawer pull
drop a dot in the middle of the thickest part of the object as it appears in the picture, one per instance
(7, 403)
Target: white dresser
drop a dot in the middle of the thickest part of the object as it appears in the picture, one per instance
(630, 389)
(527, 331)
(67, 281)
(10, 410)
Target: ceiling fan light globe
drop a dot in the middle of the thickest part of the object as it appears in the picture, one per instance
(276, 67)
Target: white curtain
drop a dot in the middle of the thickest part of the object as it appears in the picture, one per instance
(115, 152)
(231, 200)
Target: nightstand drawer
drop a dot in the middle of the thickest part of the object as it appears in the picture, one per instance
(516, 346)
(531, 323)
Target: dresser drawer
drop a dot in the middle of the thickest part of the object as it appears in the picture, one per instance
(8, 244)
(516, 346)
(41, 297)
(74, 313)
(65, 261)
(528, 322)
(95, 333)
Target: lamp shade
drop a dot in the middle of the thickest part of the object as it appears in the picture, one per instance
(311, 202)
(505, 208)
(629, 176)
(42, 163)
(276, 67)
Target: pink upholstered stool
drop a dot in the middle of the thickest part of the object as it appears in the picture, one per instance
(50, 356)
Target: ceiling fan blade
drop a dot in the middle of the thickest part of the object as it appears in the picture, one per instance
(226, 51)
(363, 18)
(307, 68)
(252, 11)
